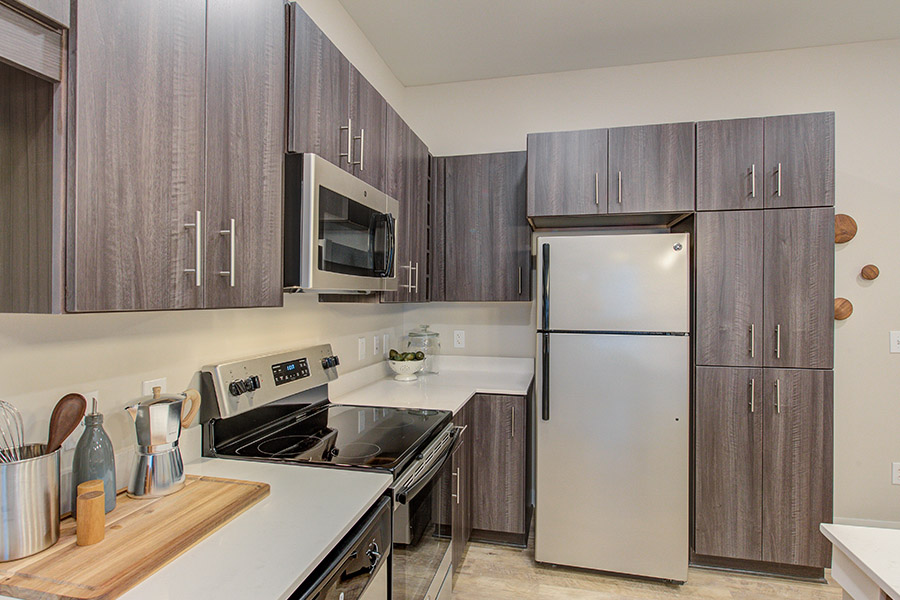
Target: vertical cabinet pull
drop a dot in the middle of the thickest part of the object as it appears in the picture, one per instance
(408, 284)
(198, 254)
(456, 495)
(349, 153)
(752, 340)
(230, 272)
(778, 396)
(596, 189)
(512, 422)
(362, 149)
(620, 187)
(753, 180)
(414, 287)
(752, 395)
(520, 281)
(778, 341)
(778, 181)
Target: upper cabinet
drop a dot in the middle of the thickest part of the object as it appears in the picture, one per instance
(367, 119)
(155, 220)
(651, 169)
(31, 43)
(567, 173)
(55, 12)
(730, 169)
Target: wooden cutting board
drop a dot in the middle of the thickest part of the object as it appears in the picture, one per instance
(141, 537)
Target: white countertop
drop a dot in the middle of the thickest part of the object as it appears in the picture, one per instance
(460, 378)
(267, 551)
(874, 550)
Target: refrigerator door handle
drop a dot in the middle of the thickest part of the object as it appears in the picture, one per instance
(545, 294)
(545, 376)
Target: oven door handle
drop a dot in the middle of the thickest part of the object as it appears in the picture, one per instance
(411, 489)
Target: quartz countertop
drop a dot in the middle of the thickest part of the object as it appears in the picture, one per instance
(875, 551)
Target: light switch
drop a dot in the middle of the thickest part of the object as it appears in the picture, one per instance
(362, 348)
(459, 338)
(375, 345)
(895, 342)
(895, 473)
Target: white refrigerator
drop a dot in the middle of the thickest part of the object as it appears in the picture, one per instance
(612, 381)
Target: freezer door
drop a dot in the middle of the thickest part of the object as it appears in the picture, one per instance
(612, 460)
(628, 282)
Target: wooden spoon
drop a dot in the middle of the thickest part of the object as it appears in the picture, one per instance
(67, 414)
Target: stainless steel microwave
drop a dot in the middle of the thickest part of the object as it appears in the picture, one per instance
(340, 233)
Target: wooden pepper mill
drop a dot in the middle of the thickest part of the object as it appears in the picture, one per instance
(91, 522)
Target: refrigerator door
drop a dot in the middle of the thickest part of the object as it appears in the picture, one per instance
(628, 282)
(612, 460)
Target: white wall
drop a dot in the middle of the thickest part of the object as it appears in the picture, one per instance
(859, 82)
(491, 328)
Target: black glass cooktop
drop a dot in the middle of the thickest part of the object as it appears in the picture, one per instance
(343, 435)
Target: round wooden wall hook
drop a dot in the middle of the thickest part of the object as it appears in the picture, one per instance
(845, 229)
(843, 308)
(869, 272)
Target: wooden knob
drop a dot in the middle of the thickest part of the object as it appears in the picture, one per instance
(843, 308)
(89, 527)
(869, 272)
(844, 229)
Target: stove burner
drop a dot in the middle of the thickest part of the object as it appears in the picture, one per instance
(359, 450)
(289, 444)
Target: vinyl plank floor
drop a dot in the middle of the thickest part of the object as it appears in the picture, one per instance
(501, 573)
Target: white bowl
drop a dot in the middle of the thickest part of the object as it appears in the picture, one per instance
(406, 369)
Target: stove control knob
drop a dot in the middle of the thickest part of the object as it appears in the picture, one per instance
(237, 387)
(328, 362)
(252, 383)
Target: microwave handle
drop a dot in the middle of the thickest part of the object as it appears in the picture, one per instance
(388, 220)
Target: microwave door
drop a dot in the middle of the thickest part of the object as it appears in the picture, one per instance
(384, 244)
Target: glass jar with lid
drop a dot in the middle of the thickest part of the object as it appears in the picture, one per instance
(428, 342)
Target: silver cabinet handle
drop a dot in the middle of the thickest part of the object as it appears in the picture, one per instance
(753, 180)
(520, 281)
(778, 341)
(596, 190)
(620, 187)
(349, 153)
(407, 285)
(198, 254)
(778, 396)
(752, 395)
(456, 495)
(778, 184)
(752, 340)
(415, 288)
(362, 149)
(230, 272)
(512, 424)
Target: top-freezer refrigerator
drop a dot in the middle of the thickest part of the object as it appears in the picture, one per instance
(613, 364)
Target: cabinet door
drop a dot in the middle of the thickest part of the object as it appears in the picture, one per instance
(398, 159)
(499, 463)
(245, 164)
(567, 173)
(368, 111)
(486, 228)
(418, 222)
(728, 465)
(318, 91)
(462, 508)
(798, 300)
(137, 157)
(729, 279)
(55, 10)
(799, 160)
(730, 168)
(798, 466)
(651, 168)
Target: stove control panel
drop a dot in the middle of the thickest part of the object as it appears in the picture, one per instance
(242, 386)
(291, 370)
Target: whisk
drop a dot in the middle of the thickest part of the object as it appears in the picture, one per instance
(12, 433)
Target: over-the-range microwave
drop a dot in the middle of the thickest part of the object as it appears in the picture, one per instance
(340, 233)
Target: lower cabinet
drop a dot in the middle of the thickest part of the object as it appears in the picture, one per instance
(763, 465)
(462, 493)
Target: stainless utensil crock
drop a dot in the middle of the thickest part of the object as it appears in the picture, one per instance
(29, 511)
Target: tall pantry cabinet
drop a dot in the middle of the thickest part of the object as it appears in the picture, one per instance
(763, 386)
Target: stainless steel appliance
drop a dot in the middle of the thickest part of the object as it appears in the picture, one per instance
(613, 360)
(340, 233)
(29, 510)
(276, 408)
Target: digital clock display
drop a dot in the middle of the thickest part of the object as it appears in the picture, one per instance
(289, 371)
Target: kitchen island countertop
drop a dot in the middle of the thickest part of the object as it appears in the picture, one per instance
(866, 560)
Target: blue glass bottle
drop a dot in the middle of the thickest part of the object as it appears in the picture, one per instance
(94, 459)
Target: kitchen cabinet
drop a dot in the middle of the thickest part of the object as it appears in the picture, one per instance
(29, 44)
(763, 471)
(799, 159)
(462, 495)
(318, 92)
(367, 115)
(651, 169)
(567, 173)
(487, 247)
(728, 263)
(730, 164)
(54, 11)
(798, 288)
(177, 130)
(499, 468)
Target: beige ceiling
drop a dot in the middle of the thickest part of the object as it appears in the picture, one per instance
(439, 41)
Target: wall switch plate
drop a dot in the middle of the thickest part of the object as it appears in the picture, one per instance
(375, 347)
(147, 387)
(895, 473)
(895, 342)
(459, 338)
(362, 348)
(385, 343)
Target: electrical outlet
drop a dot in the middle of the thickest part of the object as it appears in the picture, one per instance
(375, 347)
(895, 342)
(147, 386)
(895, 473)
(70, 442)
(386, 343)
(459, 338)
(362, 348)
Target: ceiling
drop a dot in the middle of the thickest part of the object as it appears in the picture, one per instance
(440, 41)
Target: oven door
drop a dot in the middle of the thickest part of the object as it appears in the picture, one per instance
(348, 230)
(422, 530)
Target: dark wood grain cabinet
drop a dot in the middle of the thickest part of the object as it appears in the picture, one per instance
(567, 173)
(487, 240)
(730, 164)
(651, 169)
(799, 159)
(367, 118)
(763, 475)
(56, 12)
(462, 480)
